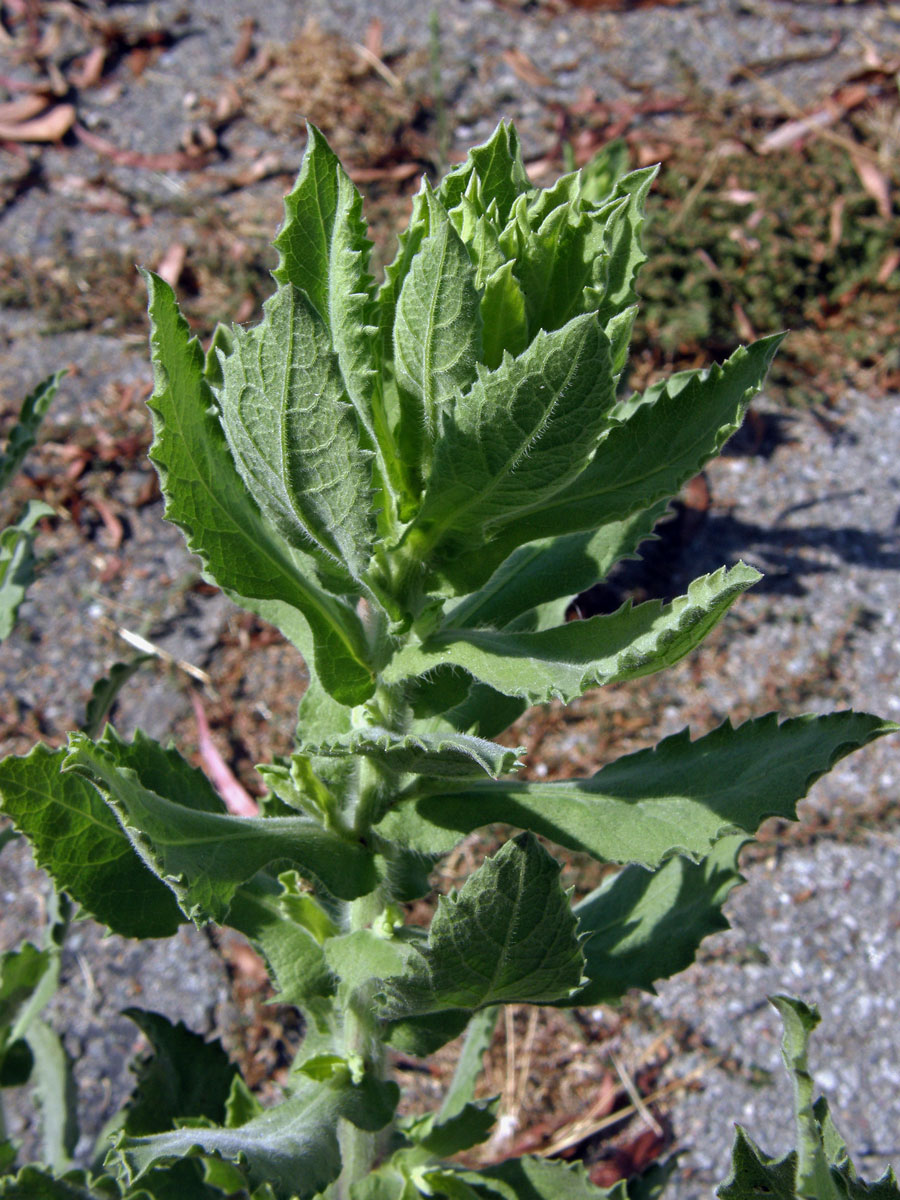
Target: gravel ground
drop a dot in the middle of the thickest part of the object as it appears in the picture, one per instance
(818, 514)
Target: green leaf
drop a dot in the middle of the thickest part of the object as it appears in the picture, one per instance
(567, 660)
(679, 797)
(387, 1182)
(17, 562)
(204, 856)
(639, 926)
(16, 1063)
(292, 1147)
(520, 433)
(813, 1180)
(546, 575)
(538, 1179)
(600, 175)
(437, 330)
(361, 956)
(484, 711)
(241, 1106)
(444, 1136)
(7, 1158)
(23, 434)
(324, 252)
(497, 164)
(181, 1181)
(444, 755)
(470, 1064)
(557, 259)
(503, 316)
(55, 1093)
(79, 842)
(507, 938)
(754, 1174)
(35, 1183)
(182, 1077)
(294, 436)
(658, 446)
(22, 975)
(209, 500)
(105, 691)
(262, 911)
(422, 1036)
(623, 248)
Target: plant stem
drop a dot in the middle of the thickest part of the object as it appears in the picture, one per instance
(360, 1150)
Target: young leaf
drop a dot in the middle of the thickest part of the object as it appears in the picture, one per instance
(361, 956)
(520, 433)
(644, 459)
(293, 435)
(639, 926)
(206, 496)
(292, 1147)
(437, 330)
(679, 797)
(503, 316)
(546, 575)
(324, 252)
(445, 755)
(565, 661)
(497, 164)
(79, 842)
(507, 938)
(623, 250)
(557, 260)
(17, 562)
(205, 856)
(23, 434)
(292, 952)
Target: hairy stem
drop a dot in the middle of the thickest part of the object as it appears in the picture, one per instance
(360, 1150)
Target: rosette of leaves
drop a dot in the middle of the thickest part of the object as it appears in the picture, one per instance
(411, 481)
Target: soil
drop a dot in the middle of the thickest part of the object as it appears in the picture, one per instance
(188, 130)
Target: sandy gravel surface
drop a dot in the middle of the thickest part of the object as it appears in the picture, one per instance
(818, 513)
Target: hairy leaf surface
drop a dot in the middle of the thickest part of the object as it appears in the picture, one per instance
(204, 856)
(640, 462)
(292, 1147)
(521, 432)
(508, 937)
(79, 842)
(565, 661)
(208, 499)
(437, 329)
(447, 755)
(324, 252)
(293, 434)
(681, 796)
